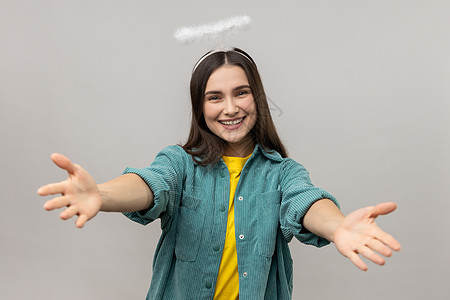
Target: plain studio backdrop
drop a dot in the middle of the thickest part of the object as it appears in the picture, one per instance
(359, 92)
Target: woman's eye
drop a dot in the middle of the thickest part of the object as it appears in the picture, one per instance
(242, 93)
(212, 98)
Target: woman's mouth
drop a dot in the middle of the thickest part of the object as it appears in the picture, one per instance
(232, 124)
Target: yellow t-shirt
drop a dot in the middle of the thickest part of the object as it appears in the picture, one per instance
(227, 286)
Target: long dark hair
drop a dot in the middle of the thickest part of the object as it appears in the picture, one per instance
(206, 147)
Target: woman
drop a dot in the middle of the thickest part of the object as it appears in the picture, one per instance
(229, 199)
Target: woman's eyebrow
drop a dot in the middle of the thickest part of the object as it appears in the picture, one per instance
(213, 92)
(244, 86)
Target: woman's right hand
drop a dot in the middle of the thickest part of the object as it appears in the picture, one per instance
(79, 192)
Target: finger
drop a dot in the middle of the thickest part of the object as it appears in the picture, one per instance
(369, 254)
(378, 246)
(57, 202)
(82, 219)
(387, 239)
(383, 209)
(52, 189)
(63, 162)
(69, 213)
(357, 261)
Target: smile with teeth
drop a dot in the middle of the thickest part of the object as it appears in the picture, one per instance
(233, 122)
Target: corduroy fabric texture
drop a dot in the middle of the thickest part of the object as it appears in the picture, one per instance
(272, 196)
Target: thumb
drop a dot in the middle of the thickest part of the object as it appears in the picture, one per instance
(63, 162)
(383, 209)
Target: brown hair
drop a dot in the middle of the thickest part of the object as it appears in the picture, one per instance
(206, 147)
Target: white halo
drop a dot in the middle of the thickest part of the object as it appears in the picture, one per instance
(213, 31)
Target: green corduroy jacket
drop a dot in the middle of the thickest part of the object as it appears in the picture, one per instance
(272, 196)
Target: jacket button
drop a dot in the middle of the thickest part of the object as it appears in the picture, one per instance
(222, 208)
(241, 236)
(244, 274)
(240, 198)
(216, 248)
(208, 285)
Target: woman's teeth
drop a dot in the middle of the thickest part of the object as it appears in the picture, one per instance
(234, 122)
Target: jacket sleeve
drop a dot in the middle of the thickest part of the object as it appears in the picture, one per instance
(165, 178)
(298, 194)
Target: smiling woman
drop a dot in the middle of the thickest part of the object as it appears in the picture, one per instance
(229, 200)
(229, 109)
(225, 87)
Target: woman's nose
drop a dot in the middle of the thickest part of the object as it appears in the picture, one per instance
(230, 107)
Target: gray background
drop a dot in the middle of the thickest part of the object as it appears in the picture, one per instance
(360, 95)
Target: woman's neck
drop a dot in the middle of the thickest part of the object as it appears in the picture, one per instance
(241, 149)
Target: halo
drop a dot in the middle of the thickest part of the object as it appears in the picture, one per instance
(212, 32)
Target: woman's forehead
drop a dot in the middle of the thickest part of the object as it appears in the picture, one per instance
(227, 76)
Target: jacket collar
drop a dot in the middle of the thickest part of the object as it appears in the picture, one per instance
(271, 154)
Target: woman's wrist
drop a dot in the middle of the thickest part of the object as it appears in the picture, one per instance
(323, 219)
(103, 196)
(125, 194)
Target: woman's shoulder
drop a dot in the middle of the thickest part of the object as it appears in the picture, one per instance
(291, 168)
(174, 152)
(178, 155)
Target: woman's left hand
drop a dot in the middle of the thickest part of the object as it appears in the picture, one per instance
(358, 234)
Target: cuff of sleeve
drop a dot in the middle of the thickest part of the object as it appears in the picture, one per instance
(295, 217)
(147, 216)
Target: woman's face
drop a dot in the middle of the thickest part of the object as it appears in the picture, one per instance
(228, 107)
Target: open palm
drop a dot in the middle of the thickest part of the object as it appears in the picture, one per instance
(359, 234)
(79, 192)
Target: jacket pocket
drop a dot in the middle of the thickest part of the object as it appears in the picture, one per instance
(189, 228)
(268, 221)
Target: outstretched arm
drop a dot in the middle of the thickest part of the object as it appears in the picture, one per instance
(355, 234)
(84, 198)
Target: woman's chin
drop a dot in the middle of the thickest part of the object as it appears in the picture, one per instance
(238, 140)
